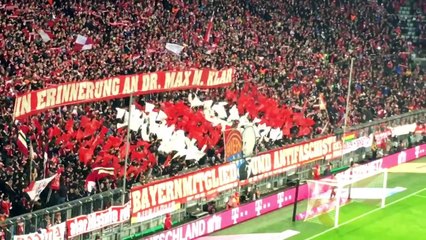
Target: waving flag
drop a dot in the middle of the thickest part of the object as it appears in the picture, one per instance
(46, 36)
(35, 188)
(97, 174)
(83, 43)
(23, 140)
(174, 48)
(209, 30)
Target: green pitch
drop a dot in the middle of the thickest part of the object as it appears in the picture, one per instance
(404, 216)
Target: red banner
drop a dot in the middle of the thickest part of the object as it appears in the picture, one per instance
(153, 198)
(98, 220)
(149, 199)
(280, 160)
(233, 145)
(118, 87)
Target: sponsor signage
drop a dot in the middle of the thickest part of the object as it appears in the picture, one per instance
(98, 220)
(231, 217)
(118, 87)
(55, 232)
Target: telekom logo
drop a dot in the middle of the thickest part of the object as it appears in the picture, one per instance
(280, 199)
(214, 224)
(402, 157)
(235, 214)
(417, 151)
(258, 206)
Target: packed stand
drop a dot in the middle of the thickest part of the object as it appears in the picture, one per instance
(294, 54)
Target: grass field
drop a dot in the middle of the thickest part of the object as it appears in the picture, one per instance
(404, 216)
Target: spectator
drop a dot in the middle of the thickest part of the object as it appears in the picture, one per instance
(168, 222)
(5, 206)
(255, 193)
(233, 201)
(374, 149)
(327, 170)
(211, 207)
(58, 218)
(61, 194)
(316, 172)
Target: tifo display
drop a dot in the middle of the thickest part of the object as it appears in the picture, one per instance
(176, 119)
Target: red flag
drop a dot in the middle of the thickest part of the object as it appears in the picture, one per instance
(115, 141)
(84, 121)
(138, 156)
(54, 132)
(23, 140)
(79, 135)
(85, 154)
(97, 140)
(103, 131)
(309, 122)
(69, 125)
(88, 131)
(50, 2)
(230, 96)
(143, 143)
(56, 182)
(90, 182)
(209, 30)
(304, 131)
(97, 174)
(96, 124)
(123, 150)
(37, 125)
(133, 170)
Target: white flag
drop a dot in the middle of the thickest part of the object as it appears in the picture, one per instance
(46, 36)
(35, 188)
(174, 48)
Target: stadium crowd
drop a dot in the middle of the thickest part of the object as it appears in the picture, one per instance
(293, 52)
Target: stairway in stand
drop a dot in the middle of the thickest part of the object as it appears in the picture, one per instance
(412, 18)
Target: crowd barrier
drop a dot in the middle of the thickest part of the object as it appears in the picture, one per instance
(83, 213)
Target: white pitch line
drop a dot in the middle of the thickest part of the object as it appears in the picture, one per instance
(420, 196)
(365, 214)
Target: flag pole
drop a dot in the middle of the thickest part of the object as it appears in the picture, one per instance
(224, 145)
(31, 161)
(345, 125)
(126, 158)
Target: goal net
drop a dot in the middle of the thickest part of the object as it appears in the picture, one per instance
(358, 191)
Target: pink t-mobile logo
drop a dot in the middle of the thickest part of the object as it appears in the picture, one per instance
(280, 199)
(235, 214)
(258, 206)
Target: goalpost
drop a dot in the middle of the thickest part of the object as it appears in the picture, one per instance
(363, 191)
